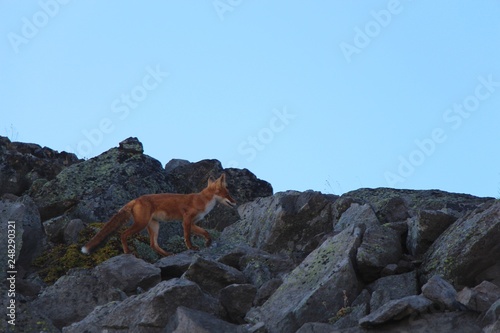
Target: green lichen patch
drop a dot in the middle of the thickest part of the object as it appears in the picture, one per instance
(56, 261)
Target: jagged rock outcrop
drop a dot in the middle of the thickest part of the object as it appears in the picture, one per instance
(325, 280)
(391, 288)
(393, 205)
(22, 164)
(76, 294)
(149, 311)
(372, 260)
(481, 297)
(425, 228)
(372, 255)
(212, 276)
(292, 223)
(468, 248)
(95, 189)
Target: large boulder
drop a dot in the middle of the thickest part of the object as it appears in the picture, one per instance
(212, 276)
(237, 299)
(152, 310)
(467, 248)
(291, 223)
(456, 322)
(21, 164)
(73, 296)
(317, 289)
(25, 316)
(442, 293)
(355, 215)
(394, 205)
(189, 320)
(381, 246)
(22, 233)
(481, 297)
(95, 189)
(392, 287)
(396, 310)
(425, 228)
(128, 273)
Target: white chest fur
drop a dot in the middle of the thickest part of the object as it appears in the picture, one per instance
(210, 205)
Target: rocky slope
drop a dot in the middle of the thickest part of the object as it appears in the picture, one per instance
(371, 260)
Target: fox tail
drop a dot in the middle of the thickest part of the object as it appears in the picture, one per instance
(119, 219)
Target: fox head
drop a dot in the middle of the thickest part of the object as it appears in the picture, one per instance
(221, 192)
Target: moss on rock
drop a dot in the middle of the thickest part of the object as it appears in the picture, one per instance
(58, 260)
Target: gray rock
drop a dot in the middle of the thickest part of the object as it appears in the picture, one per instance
(441, 293)
(127, 273)
(212, 276)
(92, 323)
(237, 299)
(425, 228)
(95, 189)
(321, 281)
(72, 231)
(491, 274)
(260, 267)
(493, 328)
(456, 322)
(492, 315)
(391, 288)
(394, 209)
(21, 226)
(481, 297)
(291, 223)
(74, 296)
(396, 310)
(350, 316)
(131, 145)
(357, 214)
(175, 163)
(394, 205)
(316, 328)
(266, 290)
(175, 265)
(54, 228)
(189, 320)
(467, 248)
(153, 309)
(391, 269)
(22, 164)
(381, 246)
(27, 317)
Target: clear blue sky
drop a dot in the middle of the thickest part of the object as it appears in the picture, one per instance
(323, 95)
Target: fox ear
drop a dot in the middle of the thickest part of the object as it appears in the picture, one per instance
(211, 180)
(222, 179)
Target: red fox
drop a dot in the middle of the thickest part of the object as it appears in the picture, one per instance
(148, 210)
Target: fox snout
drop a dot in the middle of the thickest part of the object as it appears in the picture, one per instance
(227, 201)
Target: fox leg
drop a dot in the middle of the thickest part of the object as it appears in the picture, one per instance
(202, 232)
(187, 223)
(141, 218)
(135, 228)
(153, 228)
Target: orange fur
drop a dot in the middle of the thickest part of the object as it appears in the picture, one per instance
(148, 210)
